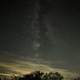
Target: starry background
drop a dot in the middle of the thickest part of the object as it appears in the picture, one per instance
(59, 32)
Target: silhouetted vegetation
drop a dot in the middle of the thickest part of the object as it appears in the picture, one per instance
(42, 76)
(37, 75)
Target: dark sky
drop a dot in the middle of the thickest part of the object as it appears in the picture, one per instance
(58, 27)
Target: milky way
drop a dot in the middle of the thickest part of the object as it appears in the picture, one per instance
(41, 32)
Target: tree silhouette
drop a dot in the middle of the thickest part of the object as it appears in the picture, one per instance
(37, 75)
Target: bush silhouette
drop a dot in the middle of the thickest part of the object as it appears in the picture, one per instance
(37, 75)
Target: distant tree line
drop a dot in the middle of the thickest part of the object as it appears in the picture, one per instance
(37, 75)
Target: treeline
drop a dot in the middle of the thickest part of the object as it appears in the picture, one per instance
(37, 75)
(42, 76)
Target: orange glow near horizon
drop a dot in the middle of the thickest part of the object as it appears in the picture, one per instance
(22, 67)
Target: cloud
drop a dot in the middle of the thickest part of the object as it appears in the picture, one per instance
(25, 67)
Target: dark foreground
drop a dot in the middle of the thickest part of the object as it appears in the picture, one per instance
(37, 75)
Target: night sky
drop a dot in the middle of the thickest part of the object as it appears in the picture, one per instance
(40, 31)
